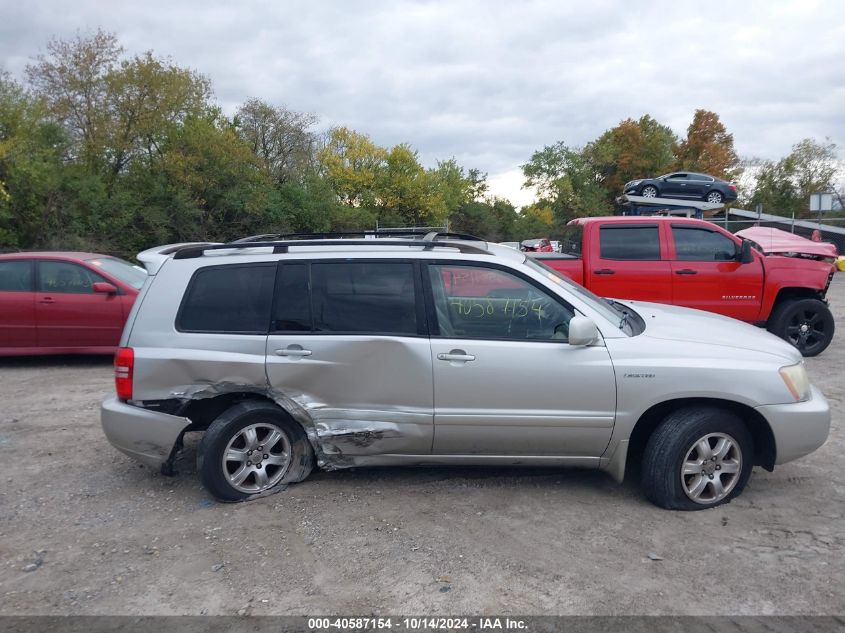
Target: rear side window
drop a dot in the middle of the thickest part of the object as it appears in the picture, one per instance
(630, 243)
(228, 299)
(702, 245)
(15, 276)
(372, 297)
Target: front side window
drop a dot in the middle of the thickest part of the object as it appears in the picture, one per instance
(16, 276)
(364, 297)
(65, 277)
(488, 303)
(702, 245)
(630, 242)
(229, 299)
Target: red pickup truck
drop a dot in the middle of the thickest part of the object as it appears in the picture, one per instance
(697, 264)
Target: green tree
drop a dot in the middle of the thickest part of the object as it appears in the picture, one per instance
(208, 185)
(406, 193)
(784, 187)
(31, 168)
(567, 182)
(114, 110)
(352, 164)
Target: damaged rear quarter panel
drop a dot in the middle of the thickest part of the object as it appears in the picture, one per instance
(310, 391)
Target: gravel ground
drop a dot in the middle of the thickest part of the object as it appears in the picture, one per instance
(100, 534)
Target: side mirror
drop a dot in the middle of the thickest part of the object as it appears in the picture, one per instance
(582, 331)
(101, 287)
(745, 255)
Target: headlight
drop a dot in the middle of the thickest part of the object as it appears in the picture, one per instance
(797, 381)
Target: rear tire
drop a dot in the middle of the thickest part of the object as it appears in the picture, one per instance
(263, 448)
(806, 324)
(714, 197)
(697, 458)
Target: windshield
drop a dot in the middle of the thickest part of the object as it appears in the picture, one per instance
(613, 312)
(123, 270)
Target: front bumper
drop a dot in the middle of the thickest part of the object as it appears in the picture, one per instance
(148, 436)
(799, 428)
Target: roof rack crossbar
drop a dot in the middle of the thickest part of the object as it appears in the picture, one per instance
(411, 232)
(282, 246)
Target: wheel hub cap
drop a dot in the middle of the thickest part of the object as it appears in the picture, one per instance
(255, 457)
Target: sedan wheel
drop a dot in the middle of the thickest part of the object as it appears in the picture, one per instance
(649, 191)
(714, 197)
(711, 468)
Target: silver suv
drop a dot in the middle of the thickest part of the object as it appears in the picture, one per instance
(293, 353)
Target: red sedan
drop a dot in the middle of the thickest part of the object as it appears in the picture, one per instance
(64, 303)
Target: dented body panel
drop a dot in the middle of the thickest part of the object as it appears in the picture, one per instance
(357, 395)
(148, 436)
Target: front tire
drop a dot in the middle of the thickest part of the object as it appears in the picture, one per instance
(649, 191)
(807, 324)
(697, 458)
(251, 448)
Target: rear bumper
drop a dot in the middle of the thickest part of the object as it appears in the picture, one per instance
(148, 436)
(799, 428)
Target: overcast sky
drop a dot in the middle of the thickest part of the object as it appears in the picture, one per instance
(490, 82)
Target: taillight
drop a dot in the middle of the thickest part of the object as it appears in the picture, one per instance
(124, 363)
(732, 187)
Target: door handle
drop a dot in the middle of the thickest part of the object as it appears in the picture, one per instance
(604, 271)
(686, 271)
(47, 300)
(296, 352)
(456, 355)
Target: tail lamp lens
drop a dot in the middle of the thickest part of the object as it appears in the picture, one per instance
(124, 364)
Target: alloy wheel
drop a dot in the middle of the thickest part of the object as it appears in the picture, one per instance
(257, 457)
(711, 468)
(805, 330)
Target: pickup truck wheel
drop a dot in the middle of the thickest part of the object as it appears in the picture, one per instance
(649, 191)
(805, 323)
(714, 197)
(697, 458)
(251, 448)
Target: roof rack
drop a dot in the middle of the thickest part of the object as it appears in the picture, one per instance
(281, 243)
(417, 233)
